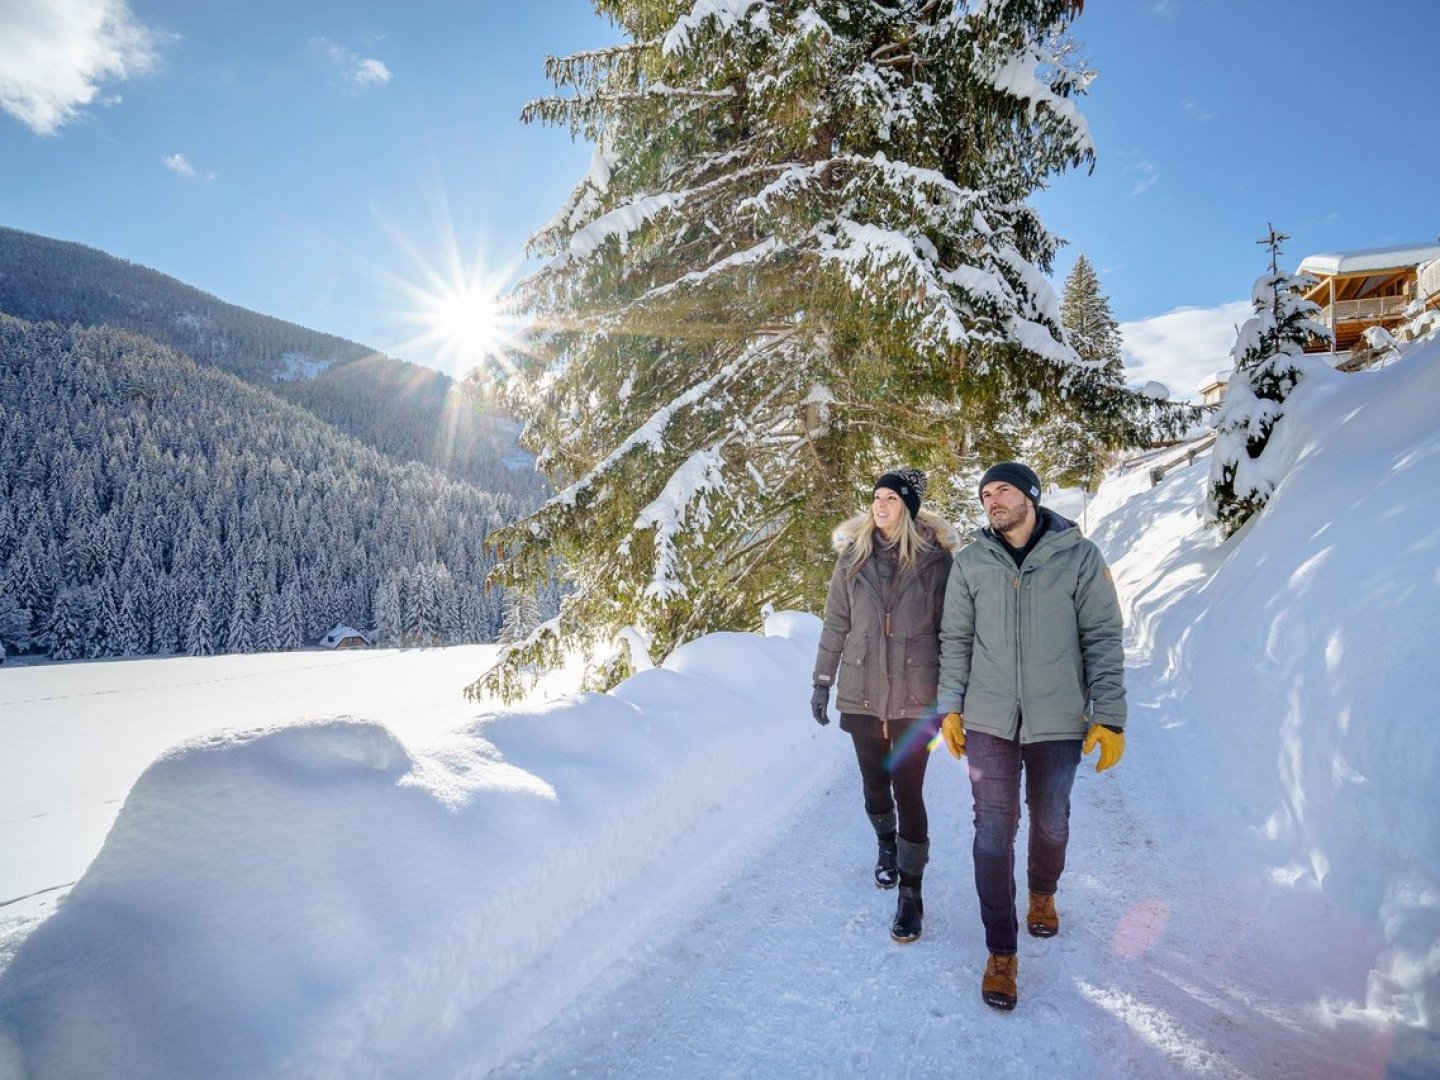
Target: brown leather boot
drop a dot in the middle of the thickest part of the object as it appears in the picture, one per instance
(1043, 920)
(997, 988)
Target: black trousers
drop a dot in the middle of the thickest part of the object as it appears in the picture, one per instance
(892, 774)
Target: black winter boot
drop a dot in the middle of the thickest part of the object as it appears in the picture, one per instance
(887, 875)
(909, 912)
(909, 908)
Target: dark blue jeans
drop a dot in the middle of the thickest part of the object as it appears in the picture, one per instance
(995, 766)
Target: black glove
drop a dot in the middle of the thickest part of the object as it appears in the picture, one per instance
(819, 702)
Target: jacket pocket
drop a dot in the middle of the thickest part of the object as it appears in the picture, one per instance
(853, 683)
(922, 669)
(1055, 699)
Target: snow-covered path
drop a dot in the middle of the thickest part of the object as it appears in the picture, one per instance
(787, 968)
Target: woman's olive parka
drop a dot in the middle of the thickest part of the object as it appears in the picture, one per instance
(884, 664)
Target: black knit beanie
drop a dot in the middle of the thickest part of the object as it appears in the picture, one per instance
(909, 484)
(1020, 477)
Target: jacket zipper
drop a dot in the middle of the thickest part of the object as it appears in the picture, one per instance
(885, 723)
(1019, 676)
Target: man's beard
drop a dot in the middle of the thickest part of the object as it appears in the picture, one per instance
(1005, 521)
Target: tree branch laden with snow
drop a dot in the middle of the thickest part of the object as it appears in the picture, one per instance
(789, 197)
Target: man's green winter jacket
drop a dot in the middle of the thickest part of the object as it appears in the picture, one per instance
(1044, 641)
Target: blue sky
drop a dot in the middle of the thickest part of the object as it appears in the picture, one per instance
(311, 160)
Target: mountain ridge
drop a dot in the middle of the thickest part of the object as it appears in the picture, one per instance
(404, 410)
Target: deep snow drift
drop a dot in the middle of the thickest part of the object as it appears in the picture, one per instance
(673, 879)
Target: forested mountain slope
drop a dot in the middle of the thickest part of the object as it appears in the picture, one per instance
(404, 410)
(149, 504)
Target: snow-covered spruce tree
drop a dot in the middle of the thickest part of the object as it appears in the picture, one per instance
(802, 255)
(1270, 360)
(14, 622)
(1072, 442)
(521, 617)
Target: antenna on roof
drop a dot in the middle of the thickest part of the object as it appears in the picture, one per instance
(1273, 242)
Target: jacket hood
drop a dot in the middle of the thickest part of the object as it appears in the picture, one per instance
(928, 523)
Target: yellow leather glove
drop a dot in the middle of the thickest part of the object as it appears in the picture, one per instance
(1111, 743)
(952, 730)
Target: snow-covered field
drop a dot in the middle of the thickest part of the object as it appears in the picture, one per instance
(673, 880)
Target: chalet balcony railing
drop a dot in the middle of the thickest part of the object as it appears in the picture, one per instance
(1376, 307)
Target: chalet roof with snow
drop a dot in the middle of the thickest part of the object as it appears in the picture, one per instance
(1369, 260)
(1219, 378)
(342, 633)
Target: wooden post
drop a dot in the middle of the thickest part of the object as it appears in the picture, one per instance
(1334, 319)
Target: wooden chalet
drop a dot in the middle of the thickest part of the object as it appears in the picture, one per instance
(345, 637)
(1360, 289)
(1212, 388)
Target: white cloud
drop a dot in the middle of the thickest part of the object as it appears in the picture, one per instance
(1148, 175)
(1191, 108)
(1182, 347)
(370, 72)
(55, 55)
(360, 70)
(180, 166)
(176, 163)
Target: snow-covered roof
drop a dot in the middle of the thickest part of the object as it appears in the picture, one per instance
(340, 633)
(1218, 379)
(1381, 258)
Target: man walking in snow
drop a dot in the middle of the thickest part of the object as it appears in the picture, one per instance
(1032, 668)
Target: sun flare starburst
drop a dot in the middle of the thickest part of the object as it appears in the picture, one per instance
(459, 309)
(463, 321)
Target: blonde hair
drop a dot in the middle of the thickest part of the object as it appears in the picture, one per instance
(910, 543)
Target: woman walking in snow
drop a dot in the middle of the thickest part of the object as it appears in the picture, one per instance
(882, 627)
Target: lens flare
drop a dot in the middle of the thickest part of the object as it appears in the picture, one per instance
(457, 305)
(463, 322)
(916, 738)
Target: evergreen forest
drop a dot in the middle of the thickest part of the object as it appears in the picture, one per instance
(152, 505)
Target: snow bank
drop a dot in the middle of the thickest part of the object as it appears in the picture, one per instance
(1295, 665)
(315, 899)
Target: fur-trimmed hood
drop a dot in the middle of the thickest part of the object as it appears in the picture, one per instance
(928, 523)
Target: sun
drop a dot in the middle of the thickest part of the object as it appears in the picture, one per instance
(461, 317)
(463, 320)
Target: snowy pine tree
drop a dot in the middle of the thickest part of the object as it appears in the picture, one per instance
(198, 638)
(105, 631)
(389, 615)
(14, 622)
(166, 619)
(290, 625)
(132, 637)
(1073, 442)
(802, 254)
(240, 627)
(422, 607)
(65, 636)
(267, 624)
(1270, 360)
(522, 615)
